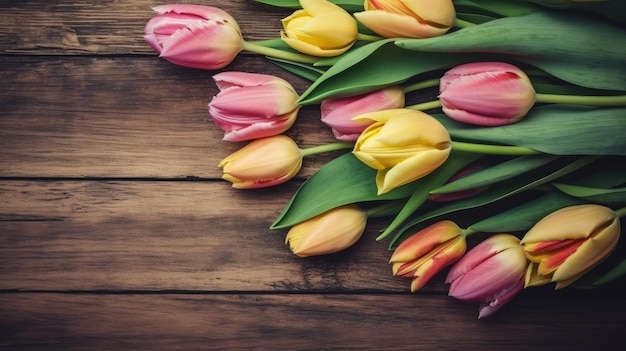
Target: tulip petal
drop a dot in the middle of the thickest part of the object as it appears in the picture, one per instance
(488, 308)
(393, 25)
(188, 47)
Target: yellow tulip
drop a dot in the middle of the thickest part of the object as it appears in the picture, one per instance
(329, 232)
(568, 243)
(408, 18)
(320, 28)
(263, 163)
(403, 145)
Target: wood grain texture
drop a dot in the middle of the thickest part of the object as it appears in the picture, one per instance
(116, 231)
(86, 117)
(299, 322)
(65, 27)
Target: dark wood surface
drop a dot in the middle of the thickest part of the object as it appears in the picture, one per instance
(116, 231)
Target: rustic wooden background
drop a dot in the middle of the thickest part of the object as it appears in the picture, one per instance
(116, 231)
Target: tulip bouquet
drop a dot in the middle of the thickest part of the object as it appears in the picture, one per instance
(525, 138)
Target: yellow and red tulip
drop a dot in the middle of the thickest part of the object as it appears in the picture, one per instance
(338, 112)
(408, 18)
(194, 36)
(329, 232)
(320, 28)
(569, 242)
(427, 252)
(263, 163)
(402, 145)
(491, 273)
(486, 93)
(270, 105)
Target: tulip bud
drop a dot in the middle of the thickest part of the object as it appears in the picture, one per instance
(427, 252)
(491, 273)
(194, 36)
(486, 93)
(270, 105)
(263, 163)
(338, 112)
(403, 145)
(320, 28)
(569, 242)
(408, 18)
(329, 232)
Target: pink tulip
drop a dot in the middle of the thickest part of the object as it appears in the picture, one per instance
(491, 273)
(486, 93)
(194, 36)
(251, 106)
(338, 112)
(427, 252)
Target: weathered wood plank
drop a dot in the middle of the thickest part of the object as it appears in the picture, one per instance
(161, 235)
(105, 27)
(301, 322)
(123, 117)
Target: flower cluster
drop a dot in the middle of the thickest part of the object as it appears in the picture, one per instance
(528, 119)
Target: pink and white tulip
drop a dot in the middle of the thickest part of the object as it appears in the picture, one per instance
(486, 93)
(251, 105)
(491, 273)
(337, 113)
(194, 36)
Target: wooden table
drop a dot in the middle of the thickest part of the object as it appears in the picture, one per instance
(116, 231)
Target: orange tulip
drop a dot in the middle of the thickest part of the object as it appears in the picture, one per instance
(427, 252)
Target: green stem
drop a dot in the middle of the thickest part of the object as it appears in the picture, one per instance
(621, 212)
(367, 37)
(325, 148)
(617, 100)
(467, 232)
(384, 209)
(493, 149)
(425, 105)
(421, 85)
(459, 23)
(276, 53)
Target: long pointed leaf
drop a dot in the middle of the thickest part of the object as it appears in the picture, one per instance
(453, 164)
(493, 194)
(342, 181)
(373, 66)
(555, 129)
(579, 49)
(497, 173)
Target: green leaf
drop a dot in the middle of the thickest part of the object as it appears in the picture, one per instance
(524, 216)
(579, 49)
(500, 172)
(615, 273)
(554, 129)
(303, 70)
(603, 195)
(503, 8)
(495, 193)
(453, 164)
(344, 180)
(348, 5)
(372, 66)
(614, 10)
